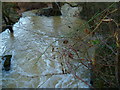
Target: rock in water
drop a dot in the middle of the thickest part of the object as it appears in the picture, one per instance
(49, 12)
(7, 62)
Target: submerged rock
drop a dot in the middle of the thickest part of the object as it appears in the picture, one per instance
(7, 62)
(49, 12)
(10, 27)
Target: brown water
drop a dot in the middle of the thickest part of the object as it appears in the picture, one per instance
(37, 47)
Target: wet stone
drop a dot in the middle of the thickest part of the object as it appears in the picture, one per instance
(49, 12)
(7, 62)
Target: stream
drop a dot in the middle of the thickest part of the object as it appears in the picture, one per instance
(43, 54)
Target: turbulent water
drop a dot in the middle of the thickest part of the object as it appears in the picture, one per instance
(40, 55)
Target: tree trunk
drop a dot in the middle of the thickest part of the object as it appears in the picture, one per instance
(117, 35)
(118, 47)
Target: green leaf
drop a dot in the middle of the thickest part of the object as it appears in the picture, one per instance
(94, 42)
